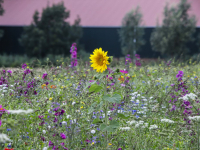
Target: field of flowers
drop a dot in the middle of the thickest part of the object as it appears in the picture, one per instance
(91, 106)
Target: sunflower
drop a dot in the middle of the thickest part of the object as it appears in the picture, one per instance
(99, 60)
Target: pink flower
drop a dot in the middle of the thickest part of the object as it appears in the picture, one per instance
(124, 71)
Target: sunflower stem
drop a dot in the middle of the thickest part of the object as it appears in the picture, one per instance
(106, 109)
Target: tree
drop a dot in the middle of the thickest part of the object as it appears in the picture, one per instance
(177, 30)
(131, 32)
(198, 42)
(50, 34)
(1, 13)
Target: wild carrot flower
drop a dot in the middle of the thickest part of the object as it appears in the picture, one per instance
(99, 60)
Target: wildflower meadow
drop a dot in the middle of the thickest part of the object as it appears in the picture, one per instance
(95, 105)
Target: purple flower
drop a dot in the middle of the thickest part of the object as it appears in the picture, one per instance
(56, 109)
(55, 120)
(87, 141)
(62, 144)
(137, 63)
(24, 66)
(62, 112)
(35, 93)
(62, 135)
(44, 76)
(137, 56)
(50, 144)
(181, 72)
(9, 71)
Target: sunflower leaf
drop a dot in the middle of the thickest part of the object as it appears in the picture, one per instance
(114, 99)
(95, 88)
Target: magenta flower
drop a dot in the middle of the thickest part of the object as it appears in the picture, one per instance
(124, 71)
(9, 71)
(62, 135)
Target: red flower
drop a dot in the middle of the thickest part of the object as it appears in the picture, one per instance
(8, 149)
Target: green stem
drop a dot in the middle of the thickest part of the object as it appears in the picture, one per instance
(106, 108)
(198, 136)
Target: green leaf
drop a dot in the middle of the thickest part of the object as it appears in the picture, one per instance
(122, 116)
(95, 88)
(91, 109)
(111, 128)
(116, 98)
(102, 127)
(96, 121)
(114, 124)
(89, 84)
(117, 73)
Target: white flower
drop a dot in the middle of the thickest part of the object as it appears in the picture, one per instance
(20, 111)
(187, 96)
(73, 121)
(4, 91)
(64, 122)
(109, 112)
(153, 127)
(93, 131)
(167, 120)
(4, 88)
(197, 118)
(45, 148)
(137, 101)
(137, 125)
(68, 116)
(4, 138)
(119, 111)
(49, 127)
(73, 103)
(125, 128)
(141, 122)
(44, 131)
(132, 122)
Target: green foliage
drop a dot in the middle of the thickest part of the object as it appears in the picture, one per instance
(177, 30)
(50, 33)
(131, 33)
(17, 60)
